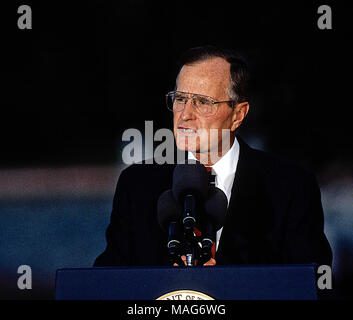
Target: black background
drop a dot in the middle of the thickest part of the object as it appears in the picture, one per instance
(89, 70)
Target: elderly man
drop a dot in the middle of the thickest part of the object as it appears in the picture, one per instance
(274, 210)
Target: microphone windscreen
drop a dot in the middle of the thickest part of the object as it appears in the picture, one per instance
(190, 178)
(216, 207)
(168, 209)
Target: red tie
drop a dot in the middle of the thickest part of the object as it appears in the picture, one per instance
(213, 249)
(197, 231)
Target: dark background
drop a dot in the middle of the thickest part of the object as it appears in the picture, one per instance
(89, 70)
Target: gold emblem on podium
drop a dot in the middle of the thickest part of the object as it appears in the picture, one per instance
(185, 295)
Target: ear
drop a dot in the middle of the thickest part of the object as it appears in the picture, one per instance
(239, 113)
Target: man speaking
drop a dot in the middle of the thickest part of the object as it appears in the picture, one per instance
(274, 213)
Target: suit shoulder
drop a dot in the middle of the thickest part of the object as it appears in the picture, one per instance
(144, 173)
(277, 165)
(143, 168)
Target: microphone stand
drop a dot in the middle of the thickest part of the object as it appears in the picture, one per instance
(189, 222)
(174, 244)
(208, 239)
(190, 245)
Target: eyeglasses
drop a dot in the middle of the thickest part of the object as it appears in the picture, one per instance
(204, 105)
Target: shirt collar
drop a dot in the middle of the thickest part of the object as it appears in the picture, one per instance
(227, 165)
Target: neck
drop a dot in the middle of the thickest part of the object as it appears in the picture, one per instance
(211, 157)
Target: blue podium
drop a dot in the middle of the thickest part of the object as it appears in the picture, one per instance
(246, 282)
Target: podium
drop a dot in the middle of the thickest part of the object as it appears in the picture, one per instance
(245, 282)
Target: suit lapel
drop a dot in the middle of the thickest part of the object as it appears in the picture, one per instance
(244, 222)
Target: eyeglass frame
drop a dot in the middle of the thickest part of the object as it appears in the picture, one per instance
(212, 100)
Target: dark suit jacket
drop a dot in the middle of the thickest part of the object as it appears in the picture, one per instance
(274, 216)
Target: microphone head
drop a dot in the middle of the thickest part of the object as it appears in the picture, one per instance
(216, 207)
(168, 210)
(190, 178)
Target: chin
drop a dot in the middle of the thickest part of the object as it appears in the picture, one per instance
(185, 145)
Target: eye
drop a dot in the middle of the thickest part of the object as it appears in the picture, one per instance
(203, 101)
(179, 98)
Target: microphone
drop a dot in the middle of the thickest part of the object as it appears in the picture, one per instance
(190, 189)
(169, 214)
(215, 209)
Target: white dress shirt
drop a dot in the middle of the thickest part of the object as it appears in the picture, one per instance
(224, 169)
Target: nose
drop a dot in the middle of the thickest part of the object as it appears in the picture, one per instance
(189, 111)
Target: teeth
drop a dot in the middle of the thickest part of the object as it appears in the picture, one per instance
(188, 130)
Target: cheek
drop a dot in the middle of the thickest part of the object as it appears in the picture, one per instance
(222, 121)
(212, 123)
(175, 119)
(207, 123)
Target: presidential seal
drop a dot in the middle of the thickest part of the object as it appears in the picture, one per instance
(185, 295)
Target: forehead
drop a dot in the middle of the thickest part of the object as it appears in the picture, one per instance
(206, 77)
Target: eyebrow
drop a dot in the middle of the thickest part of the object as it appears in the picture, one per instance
(199, 94)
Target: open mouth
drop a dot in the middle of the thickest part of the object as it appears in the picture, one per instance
(186, 131)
